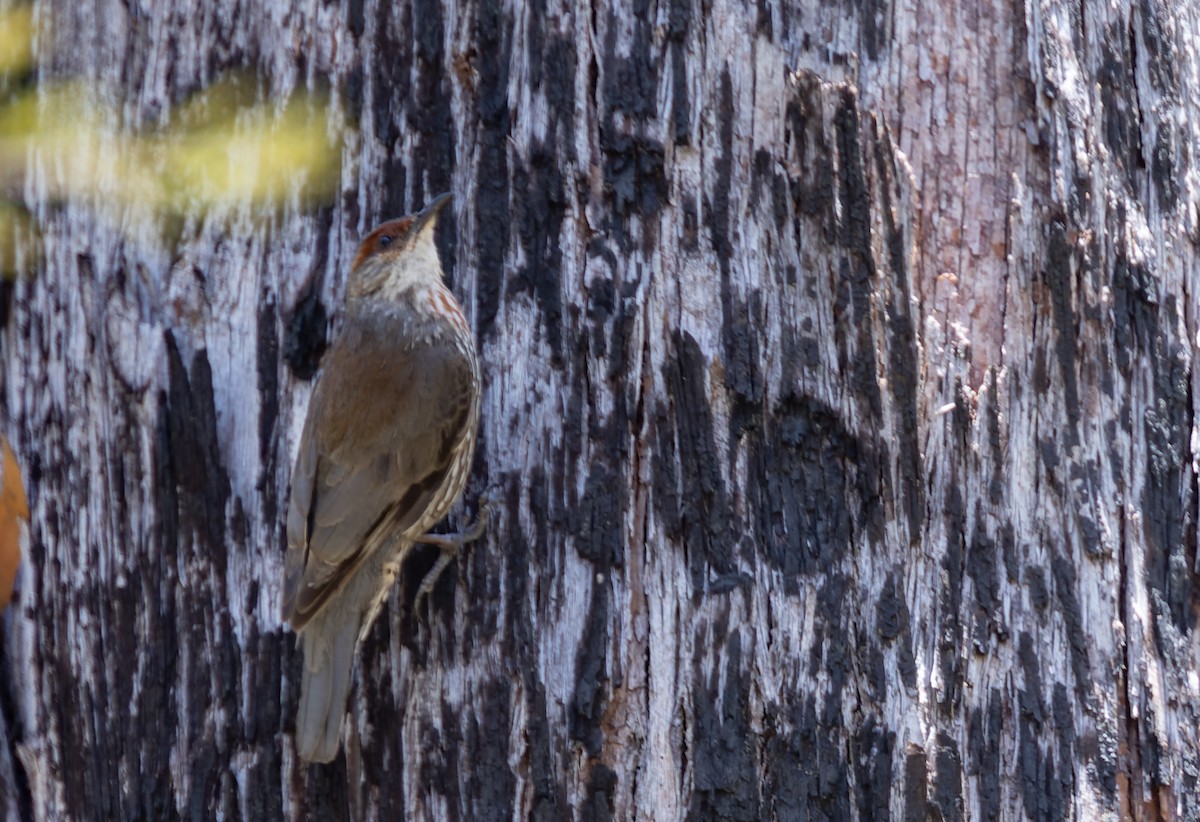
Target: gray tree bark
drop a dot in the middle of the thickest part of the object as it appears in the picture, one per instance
(840, 406)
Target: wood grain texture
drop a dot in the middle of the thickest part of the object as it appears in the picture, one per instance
(839, 406)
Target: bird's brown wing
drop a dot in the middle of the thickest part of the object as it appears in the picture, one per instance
(377, 444)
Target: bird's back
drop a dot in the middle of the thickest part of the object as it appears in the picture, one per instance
(382, 451)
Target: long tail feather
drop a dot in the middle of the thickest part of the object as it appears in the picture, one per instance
(329, 643)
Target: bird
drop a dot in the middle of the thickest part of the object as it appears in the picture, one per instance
(385, 451)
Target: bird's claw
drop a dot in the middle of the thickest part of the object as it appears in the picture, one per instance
(450, 545)
(431, 578)
(481, 519)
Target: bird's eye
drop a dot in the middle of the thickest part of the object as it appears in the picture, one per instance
(385, 240)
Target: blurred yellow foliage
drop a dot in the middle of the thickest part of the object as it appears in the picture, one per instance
(228, 154)
(16, 39)
(256, 153)
(224, 146)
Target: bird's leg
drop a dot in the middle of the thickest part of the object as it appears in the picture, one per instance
(450, 545)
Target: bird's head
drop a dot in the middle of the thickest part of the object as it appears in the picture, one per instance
(398, 256)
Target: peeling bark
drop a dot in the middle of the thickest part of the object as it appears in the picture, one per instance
(839, 407)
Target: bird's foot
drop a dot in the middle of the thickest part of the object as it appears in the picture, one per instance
(450, 545)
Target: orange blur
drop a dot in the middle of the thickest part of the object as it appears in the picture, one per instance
(12, 508)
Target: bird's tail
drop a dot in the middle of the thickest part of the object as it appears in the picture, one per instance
(329, 644)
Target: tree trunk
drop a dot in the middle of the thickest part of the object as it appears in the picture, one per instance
(838, 404)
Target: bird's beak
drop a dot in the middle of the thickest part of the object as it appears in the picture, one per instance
(427, 219)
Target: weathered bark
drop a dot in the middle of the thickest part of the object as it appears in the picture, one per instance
(839, 405)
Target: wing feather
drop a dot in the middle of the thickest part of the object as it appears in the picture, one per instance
(377, 445)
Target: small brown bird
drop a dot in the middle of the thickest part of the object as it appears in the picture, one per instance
(386, 449)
